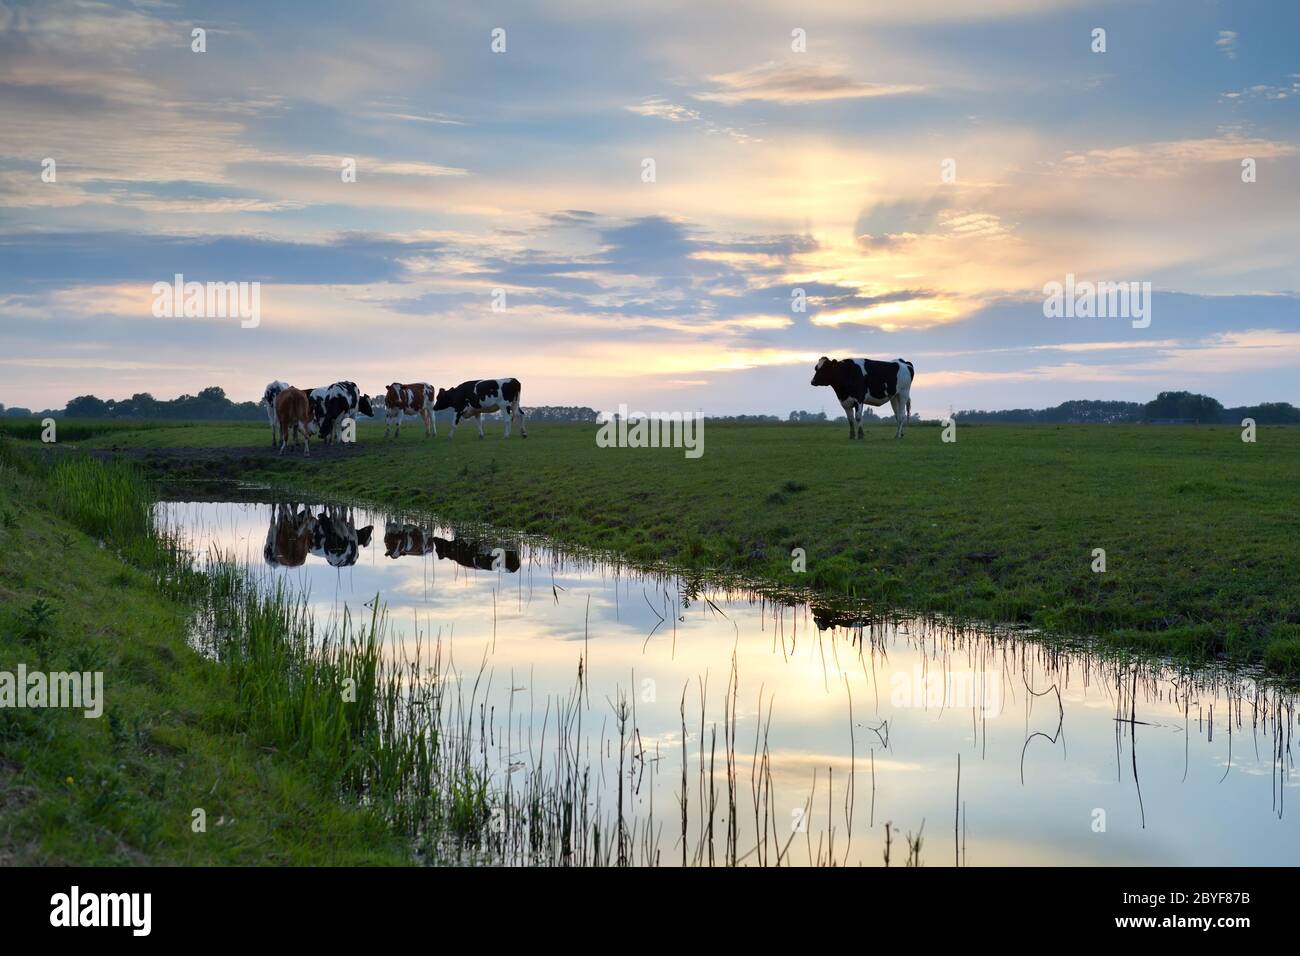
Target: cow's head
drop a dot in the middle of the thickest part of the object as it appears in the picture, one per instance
(441, 401)
(364, 405)
(824, 370)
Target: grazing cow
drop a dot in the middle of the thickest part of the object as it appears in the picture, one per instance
(475, 554)
(293, 410)
(337, 539)
(331, 404)
(859, 382)
(331, 535)
(413, 399)
(268, 399)
(288, 540)
(407, 540)
(475, 398)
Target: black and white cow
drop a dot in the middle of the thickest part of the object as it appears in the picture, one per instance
(475, 398)
(476, 554)
(268, 400)
(331, 535)
(337, 538)
(331, 404)
(859, 382)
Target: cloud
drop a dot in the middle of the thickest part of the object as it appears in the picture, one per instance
(794, 83)
(660, 108)
(1227, 43)
(1287, 89)
(1171, 157)
(39, 260)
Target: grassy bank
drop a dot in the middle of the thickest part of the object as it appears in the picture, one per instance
(1198, 528)
(85, 587)
(226, 704)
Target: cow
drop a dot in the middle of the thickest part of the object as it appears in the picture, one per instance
(475, 398)
(859, 382)
(475, 554)
(289, 538)
(331, 535)
(268, 399)
(293, 410)
(331, 404)
(337, 539)
(415, 398)
(406, 540)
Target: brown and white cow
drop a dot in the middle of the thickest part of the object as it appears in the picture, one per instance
(268, 400)
(289, 538)
(293, 410)
(415, 398)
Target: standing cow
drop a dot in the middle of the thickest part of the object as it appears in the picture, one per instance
(413, 399)
(268, 399)
(293, 410)
(859, 382)
(332, 404)
(475, 398)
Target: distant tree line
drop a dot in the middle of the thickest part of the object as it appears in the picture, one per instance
(211, 404)
(1165, 407)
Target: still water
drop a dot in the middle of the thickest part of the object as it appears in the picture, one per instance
(849, 731)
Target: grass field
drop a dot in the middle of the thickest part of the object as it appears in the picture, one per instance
(78, 593)
(1199, 528)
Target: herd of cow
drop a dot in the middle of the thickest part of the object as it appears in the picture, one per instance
(333, 536)
(325, 411)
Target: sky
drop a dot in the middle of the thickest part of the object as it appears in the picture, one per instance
(851, 178)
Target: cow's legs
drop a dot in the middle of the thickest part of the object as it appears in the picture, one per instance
(428, 421)
(897, 402)
(860, 410)
(848, 413)
(510, 419)
(388, 422)
(519, 410)
(479, 418)
(455, 420)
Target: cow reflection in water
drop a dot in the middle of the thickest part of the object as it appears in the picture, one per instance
(826, 618)
(402, 540)
(332, 534)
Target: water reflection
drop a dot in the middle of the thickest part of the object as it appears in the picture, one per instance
(779, 729)
(331, 535)
(409, 540)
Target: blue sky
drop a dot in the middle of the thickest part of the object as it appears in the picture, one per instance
(775, 170)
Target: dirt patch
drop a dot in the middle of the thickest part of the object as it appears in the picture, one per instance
(219, 463)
